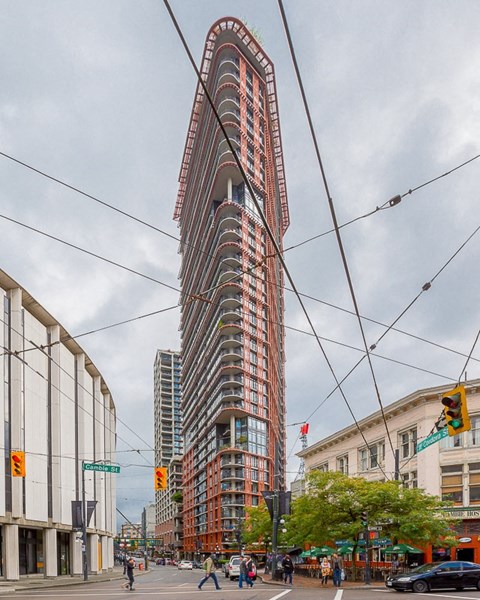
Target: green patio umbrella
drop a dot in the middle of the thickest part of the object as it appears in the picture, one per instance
(305, 554)
(322, 551)
(346, 549)
(402, 549)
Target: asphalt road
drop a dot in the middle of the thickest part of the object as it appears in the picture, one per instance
(172, 584)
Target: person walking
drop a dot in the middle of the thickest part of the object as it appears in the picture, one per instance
(337, 562)
(325, 570)
(287, 565)
(246, 567)
(128, 570)
(209, 567)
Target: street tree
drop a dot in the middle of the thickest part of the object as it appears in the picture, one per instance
(333, 504)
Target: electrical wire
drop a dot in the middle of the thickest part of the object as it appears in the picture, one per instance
(388, 204)
(468, 359)
(249, 271)
(334, 220)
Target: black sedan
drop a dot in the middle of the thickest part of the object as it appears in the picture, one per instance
(434, 576)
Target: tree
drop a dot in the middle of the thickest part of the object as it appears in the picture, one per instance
(333, 504)
(258, 526)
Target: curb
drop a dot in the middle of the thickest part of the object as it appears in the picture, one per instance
(52, 583)
(298, 582)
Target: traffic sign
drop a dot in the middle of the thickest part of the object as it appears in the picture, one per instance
(101, 468)
(374, 528)
(432, 439)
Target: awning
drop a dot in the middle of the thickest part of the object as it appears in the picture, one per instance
(402, 549)
(322, 551)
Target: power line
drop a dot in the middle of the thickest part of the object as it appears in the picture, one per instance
(88, 392)
(334, 219)
(394, 201)
(243, 271)
(469, 356)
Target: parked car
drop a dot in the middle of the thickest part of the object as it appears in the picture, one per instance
(232, 568)
(185, 564)
(456, 575)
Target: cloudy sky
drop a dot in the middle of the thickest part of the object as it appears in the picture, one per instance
(99, 94)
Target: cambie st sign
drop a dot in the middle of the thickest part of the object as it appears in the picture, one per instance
(101, 468)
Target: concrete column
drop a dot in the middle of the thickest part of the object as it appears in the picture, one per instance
(11, 552)
(232, 431)
(54, 331)
(17, 404)
(110, 553)
(104, 550)
(75, 554)
(229, 189)
(50, 552)
(92, 549)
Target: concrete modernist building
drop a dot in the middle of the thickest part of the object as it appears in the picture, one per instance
(233, 388)
(58, 410)
(168, 446)
(449, 468)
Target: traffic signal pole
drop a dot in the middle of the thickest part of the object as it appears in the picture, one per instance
(84, 526)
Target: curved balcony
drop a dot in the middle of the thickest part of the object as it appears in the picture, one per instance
(229, 274)
(228, 73)
(231, 234)
(231, 219)
(228, 301)
(230, 341)
(228, 100)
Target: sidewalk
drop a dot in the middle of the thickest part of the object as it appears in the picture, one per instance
(32, 582)
(300, 581)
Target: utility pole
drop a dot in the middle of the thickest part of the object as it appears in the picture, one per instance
(275, 532)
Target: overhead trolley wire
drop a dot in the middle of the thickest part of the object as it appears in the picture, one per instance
(334, 219)
(425, 287)
(394, 201)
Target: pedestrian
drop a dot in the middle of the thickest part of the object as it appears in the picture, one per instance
(325, 570)
(337, 570)
(246, 571)
(128, 570)
(209, 567)
(287, 565)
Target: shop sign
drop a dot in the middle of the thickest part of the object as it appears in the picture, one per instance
(462, 513)
(465, 540)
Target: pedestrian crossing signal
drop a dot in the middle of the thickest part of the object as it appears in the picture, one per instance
(456, 412)
(160, 478)
(17, 462)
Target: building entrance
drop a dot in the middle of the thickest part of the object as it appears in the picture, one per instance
(465, 554)
(63, 553)
(30, 551)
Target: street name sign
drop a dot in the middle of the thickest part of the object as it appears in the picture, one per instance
(101, 468)
(432, 439)
(374, 528)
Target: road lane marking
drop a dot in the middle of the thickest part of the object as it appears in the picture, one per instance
(283, 594)
(338, 595)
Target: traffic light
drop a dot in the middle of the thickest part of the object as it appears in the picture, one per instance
(456, 413)
(364, 518)
(160, 478)
(17, 462)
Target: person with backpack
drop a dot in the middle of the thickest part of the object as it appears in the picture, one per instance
(209, 566)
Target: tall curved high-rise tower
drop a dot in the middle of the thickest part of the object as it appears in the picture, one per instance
(233, 381)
